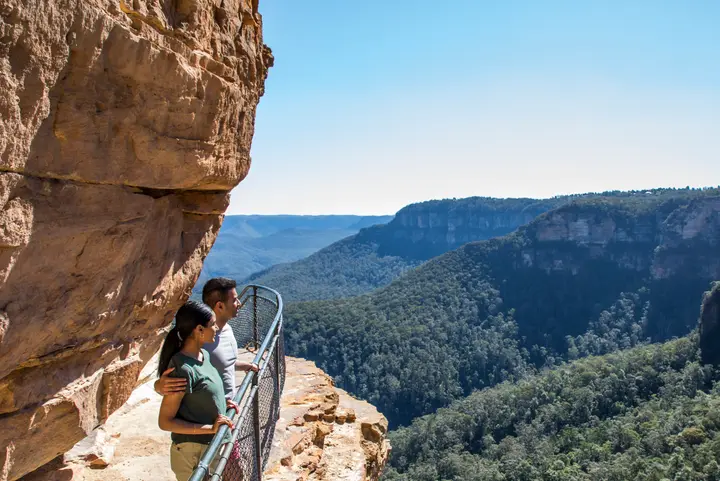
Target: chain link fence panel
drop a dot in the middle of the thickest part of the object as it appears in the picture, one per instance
(246, 459)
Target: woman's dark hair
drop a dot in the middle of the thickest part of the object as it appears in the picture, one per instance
(187, 318)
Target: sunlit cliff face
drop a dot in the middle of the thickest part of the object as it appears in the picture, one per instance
(124, 127)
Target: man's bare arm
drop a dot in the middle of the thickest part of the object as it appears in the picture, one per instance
(246, 366)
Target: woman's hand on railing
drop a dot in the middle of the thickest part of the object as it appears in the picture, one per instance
(219, 421)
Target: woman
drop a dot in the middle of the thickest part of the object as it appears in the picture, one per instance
(193, 416)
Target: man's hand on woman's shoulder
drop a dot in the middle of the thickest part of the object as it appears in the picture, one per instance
(170, 385)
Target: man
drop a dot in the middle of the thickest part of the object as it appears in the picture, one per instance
(220, 294)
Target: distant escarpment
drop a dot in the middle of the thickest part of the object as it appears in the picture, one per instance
(251, 243)
(426, 230)
(123, 127)
(588, 278)
(379, 254)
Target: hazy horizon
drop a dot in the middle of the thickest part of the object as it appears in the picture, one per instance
(460, 198)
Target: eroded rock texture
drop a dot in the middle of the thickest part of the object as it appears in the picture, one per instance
(123, 125)
(323, 433)
(670, 239)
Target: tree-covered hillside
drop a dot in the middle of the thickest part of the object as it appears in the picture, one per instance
(651, 413)
(591, 277)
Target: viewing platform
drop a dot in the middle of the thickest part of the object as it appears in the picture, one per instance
(305, 429)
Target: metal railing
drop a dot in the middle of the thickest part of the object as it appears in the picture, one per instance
(258, 327)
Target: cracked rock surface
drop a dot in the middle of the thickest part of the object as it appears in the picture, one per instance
(325, 434)
(123, 126)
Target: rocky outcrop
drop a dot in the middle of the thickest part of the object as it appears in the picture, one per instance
(324, 434)
(125, 123)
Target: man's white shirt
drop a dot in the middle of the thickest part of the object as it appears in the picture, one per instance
(223, 354)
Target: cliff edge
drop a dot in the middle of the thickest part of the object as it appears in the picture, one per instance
(323, 434)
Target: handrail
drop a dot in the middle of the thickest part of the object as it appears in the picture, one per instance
(249, 391)
(242, 294)
(224, 456)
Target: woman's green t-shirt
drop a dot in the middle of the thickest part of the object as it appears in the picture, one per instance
(204, 395)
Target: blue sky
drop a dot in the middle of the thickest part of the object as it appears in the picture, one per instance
(375, 104)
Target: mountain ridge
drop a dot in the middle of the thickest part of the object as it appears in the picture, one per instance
(495, 310)
(377, 255)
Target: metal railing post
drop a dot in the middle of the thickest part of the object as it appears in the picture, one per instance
(256, 400)
(277, 361)
(256, 428)
(256, 336)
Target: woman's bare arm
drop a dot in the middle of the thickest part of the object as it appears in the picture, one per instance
(246, 366)
(167, 420)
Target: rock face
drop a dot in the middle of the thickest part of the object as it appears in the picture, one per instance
(692, 229)
(428, 229)
(675, 237)
(124, 124)
(710, 327)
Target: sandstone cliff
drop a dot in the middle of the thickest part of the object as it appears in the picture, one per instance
(677, 236)
(428, 229)
(124, 124)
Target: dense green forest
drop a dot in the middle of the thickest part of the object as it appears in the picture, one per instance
(377, 255)
(651, 413)
(500, 310)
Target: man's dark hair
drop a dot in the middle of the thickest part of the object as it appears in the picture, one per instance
(217, 289)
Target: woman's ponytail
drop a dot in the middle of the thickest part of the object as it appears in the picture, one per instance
(171, 346)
